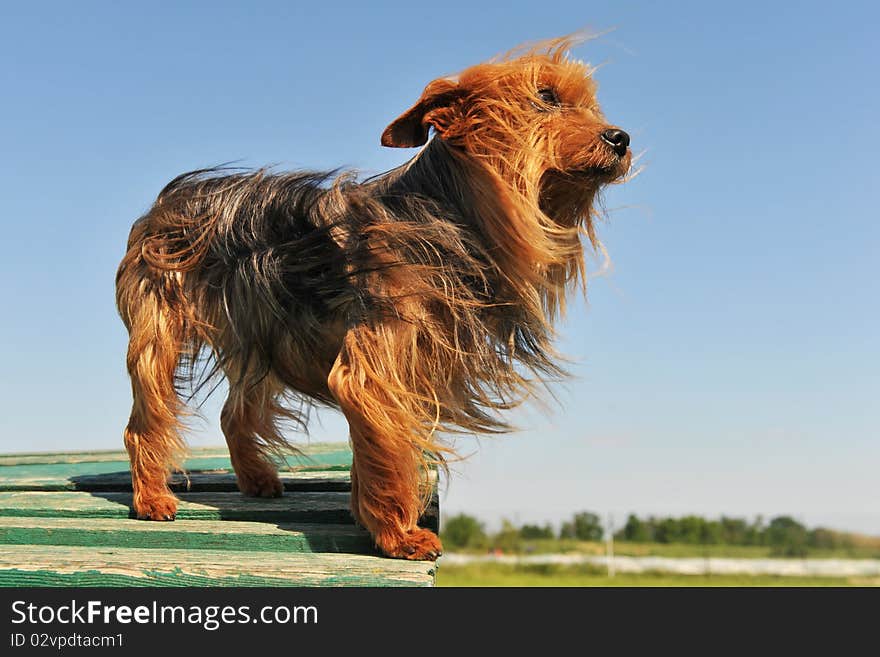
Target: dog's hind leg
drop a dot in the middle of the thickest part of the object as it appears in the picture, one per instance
(151, 437)
(248, 421)
(387, 477)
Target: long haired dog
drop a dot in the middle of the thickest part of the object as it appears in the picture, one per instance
(419, 302)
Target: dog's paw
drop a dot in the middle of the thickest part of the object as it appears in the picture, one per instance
(263, 484)
(416, 545)
(160, 507)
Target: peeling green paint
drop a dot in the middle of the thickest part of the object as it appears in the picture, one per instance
(65, 521)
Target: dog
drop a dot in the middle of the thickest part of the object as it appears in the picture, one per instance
(419, 302)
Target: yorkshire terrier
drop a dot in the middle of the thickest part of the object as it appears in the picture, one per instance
(419, 302)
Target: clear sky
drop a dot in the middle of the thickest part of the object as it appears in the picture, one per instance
(728, 363)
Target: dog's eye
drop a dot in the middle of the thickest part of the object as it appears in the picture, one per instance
(549, 96)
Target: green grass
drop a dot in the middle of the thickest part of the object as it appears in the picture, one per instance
(564, 546)
(554, 575)
(734, 551)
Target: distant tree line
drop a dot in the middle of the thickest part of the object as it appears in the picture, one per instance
(784, 535)
(466, 532)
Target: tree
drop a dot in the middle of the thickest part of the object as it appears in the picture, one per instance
(584, 526)
(734, 531)
(667, 530)
(464, 531)
(711, 533)
(508, 539)
(828, 539)
(531, 532)
(691, 529)
(755, 532)
(635, 530)
(786, 537)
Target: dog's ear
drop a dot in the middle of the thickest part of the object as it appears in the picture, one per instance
(436, 108)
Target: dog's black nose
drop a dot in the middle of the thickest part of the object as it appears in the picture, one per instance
(617, 139)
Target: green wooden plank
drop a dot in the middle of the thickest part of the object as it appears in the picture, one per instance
(95, 456)
(324, 507)
(185, 534)
(38, 565)
(12, 473)
(309, 455)
(331, 507)
(300, 480)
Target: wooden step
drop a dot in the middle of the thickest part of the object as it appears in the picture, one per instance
(199, 481)
(311, 454)
(185, 534)
(309, 507)
(66, 520)
(52, 565)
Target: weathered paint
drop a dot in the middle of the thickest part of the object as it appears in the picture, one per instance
(312, 454)
(186, 534)
(15, 466)
(65, 521)
(330, 507)
(37, 565)
(323, 507)
(299, 480)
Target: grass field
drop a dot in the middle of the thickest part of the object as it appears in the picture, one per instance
(626, 549)
(554, 575)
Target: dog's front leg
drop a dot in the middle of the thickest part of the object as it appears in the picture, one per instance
(387, 468)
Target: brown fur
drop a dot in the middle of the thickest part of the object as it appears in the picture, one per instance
(419, 302)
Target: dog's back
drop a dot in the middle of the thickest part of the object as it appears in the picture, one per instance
(245, 262)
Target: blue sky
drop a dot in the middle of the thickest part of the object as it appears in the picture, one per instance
(729, 362)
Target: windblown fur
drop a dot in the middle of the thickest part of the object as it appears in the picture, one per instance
(420, 302)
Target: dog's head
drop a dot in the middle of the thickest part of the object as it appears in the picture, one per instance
(532, 117)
